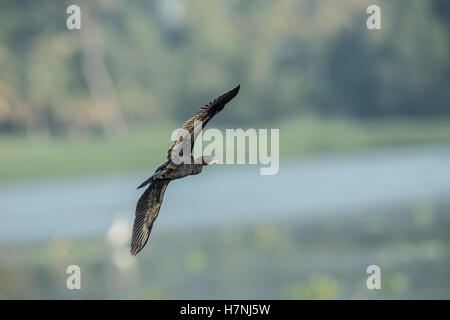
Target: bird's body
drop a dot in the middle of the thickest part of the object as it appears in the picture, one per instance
(149, 203)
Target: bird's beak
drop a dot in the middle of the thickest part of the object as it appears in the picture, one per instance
(207, 160)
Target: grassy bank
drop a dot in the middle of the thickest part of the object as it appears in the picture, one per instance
(144, 147)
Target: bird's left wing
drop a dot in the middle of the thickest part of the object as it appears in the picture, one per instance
(202, 116)
(147, 210)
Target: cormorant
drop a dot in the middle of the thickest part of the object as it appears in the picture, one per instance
(149, 203)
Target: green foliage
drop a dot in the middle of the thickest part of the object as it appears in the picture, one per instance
(165, 58)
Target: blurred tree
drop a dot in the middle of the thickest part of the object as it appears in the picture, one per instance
(162, 59)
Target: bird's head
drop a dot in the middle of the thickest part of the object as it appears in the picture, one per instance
(207, 160)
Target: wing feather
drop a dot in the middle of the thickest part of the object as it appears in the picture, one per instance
(147, 210)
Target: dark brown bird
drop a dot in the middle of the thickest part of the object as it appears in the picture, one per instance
(179, 165)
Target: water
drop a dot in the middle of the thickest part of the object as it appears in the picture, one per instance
(229, 195)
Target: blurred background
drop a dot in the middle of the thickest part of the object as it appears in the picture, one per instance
(364, 118)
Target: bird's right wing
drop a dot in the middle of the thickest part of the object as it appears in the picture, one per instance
(203, 115)
(147, 210)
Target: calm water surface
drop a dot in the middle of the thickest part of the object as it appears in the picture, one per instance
(228, 195)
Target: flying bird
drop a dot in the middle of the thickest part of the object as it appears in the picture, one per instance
(149, 203)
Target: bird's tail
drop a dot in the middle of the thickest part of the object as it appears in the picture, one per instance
(146, 182)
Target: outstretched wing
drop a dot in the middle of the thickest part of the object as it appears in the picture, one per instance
(203, 115)
(147, 210)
